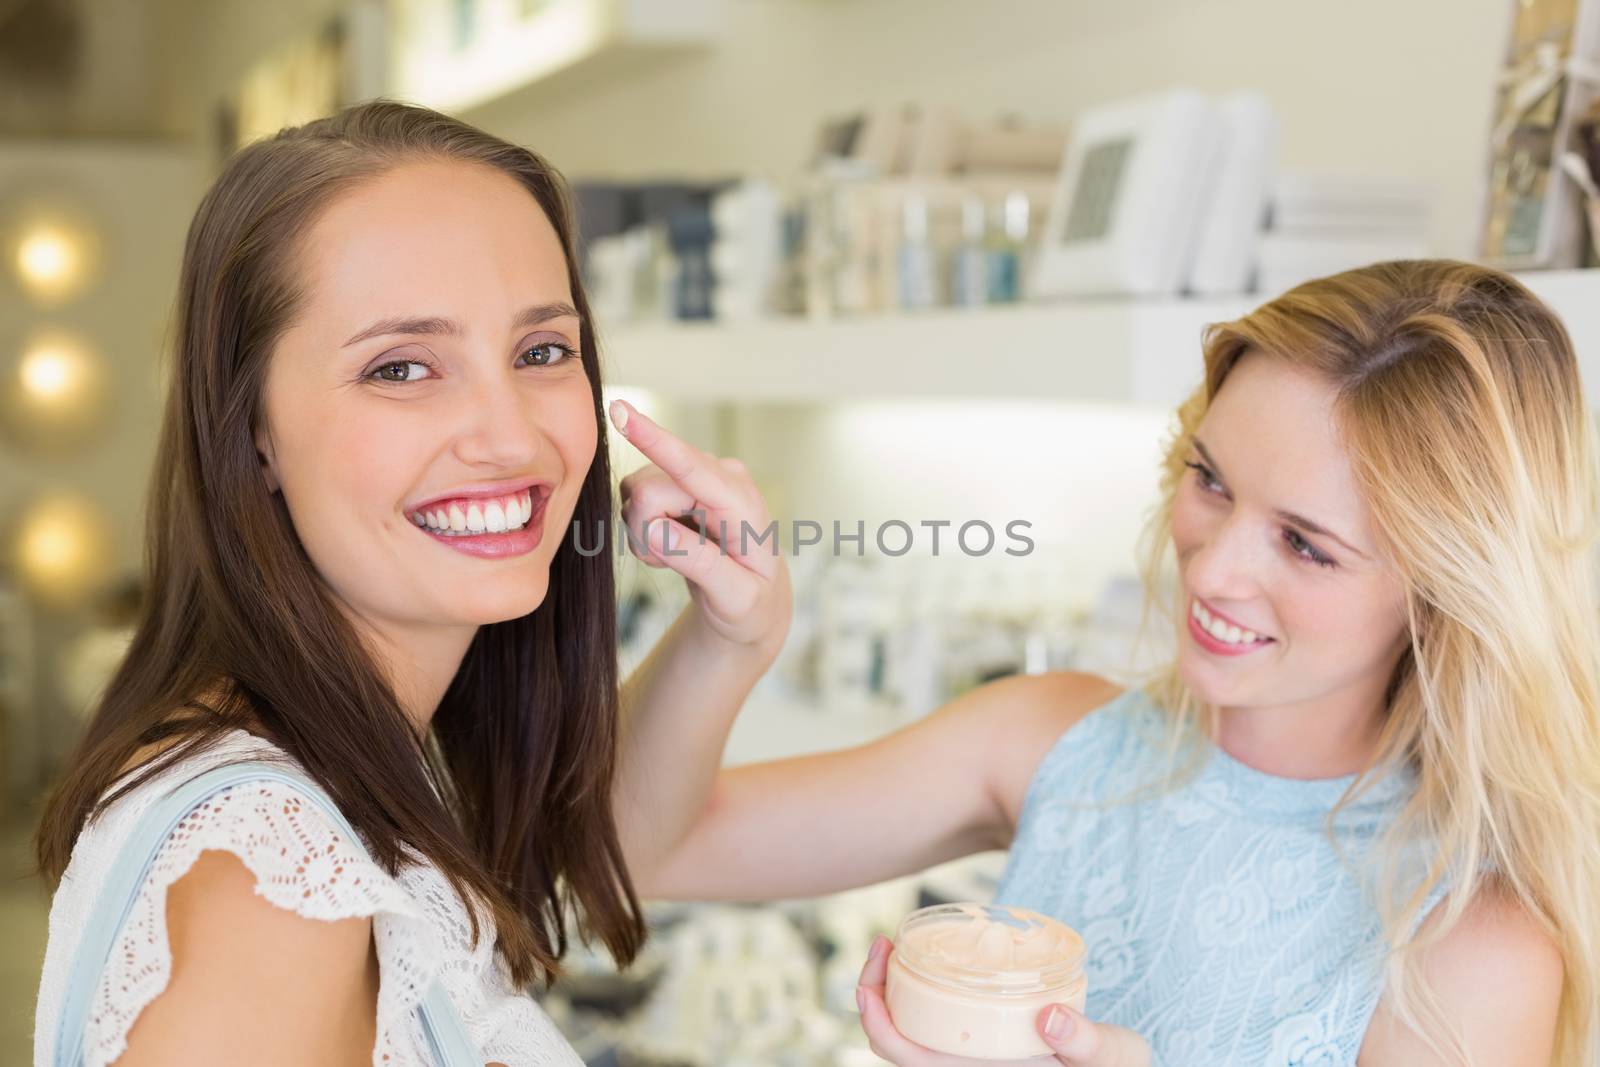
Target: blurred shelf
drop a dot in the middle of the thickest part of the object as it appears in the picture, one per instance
(1124, 351)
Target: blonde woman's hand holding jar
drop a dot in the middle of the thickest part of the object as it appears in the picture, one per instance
(1074, 1039)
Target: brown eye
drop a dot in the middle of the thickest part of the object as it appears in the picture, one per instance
(548, 353)
(402, 364)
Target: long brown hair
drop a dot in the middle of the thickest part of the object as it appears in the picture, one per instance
(523, 747)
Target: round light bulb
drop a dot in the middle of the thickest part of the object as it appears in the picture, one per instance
(47, 259)
(51, 244)
(50, 374)
(63, 547)
(54, 398)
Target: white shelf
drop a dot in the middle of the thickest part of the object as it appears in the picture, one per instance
(1129, 351)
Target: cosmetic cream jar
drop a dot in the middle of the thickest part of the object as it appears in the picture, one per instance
(971, 979)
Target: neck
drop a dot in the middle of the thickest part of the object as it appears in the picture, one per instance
(1329, 737)
(420, 663)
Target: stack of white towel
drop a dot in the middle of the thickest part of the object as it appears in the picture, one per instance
(1323, 224)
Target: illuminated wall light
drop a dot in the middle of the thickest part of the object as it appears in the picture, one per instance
(55, 396)
(47, 258)
(63, 548)
(52, 375)
(52, 247)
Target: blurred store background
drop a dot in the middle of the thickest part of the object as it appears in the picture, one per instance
(912, 260)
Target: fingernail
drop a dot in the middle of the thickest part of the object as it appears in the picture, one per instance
(861, 1000)
(876, 950)
(619, 415)
(1057, 1024)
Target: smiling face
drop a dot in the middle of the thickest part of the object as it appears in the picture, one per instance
(360, 428)
(1329, 615)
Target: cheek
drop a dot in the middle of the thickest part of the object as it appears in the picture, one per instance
(567, 420)
(352, 460)
(1352, 620)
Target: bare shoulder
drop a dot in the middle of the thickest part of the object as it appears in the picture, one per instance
(1023, 716)
(260, 982)
(1498, 975)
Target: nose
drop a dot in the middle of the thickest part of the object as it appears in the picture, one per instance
(499, 424)
(1228, 563)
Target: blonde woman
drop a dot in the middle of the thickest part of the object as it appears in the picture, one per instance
(1356, 819)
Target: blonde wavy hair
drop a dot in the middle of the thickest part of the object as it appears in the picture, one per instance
(1459, 401)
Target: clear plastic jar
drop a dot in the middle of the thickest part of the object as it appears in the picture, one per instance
(971, 979)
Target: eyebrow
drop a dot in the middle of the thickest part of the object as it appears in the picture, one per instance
(1287, 516)
(533, 315)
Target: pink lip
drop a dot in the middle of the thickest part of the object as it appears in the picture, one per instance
(541, 489)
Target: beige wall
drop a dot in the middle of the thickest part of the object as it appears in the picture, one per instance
(141, 195)
(1364, 85)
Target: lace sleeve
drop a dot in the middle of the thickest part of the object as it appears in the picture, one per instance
(301, 862)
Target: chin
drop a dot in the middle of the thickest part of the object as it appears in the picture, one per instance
(508, 600)
(1201, 676)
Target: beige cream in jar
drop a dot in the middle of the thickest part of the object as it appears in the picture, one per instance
(971, 979)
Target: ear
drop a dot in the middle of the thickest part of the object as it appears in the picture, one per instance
(264, 450)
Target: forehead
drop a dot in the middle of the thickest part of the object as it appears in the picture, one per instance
(1272, 430)
(433, 238)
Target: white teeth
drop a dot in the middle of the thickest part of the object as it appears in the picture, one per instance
(1223, 631)
(488, 516)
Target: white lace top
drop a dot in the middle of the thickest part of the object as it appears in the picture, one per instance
(303, 863)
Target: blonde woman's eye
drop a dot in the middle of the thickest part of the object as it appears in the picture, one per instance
(1305, 549)
(1203, 473)
(547, 353)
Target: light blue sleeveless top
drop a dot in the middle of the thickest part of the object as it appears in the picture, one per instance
(1220, 923)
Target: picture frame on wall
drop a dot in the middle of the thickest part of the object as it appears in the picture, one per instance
(1533, 215)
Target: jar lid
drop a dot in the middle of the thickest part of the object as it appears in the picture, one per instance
(987, 948)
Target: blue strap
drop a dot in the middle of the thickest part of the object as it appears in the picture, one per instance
(447, 1035)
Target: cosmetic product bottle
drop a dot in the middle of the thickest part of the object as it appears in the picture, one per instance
(690, 232)
(969, 284)
(971, 979)
(918, 267)
(1008, 241)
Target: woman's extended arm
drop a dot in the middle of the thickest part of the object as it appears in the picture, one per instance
(946, 786)
(677, 708)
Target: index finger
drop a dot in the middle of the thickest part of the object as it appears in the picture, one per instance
(681, 461)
